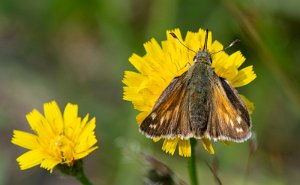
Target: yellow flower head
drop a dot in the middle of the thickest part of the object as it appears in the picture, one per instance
(162, 63)
(58, 139)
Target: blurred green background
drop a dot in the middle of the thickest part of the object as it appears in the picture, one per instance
(76, 51)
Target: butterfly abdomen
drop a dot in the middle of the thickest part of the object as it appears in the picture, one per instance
(198, 98)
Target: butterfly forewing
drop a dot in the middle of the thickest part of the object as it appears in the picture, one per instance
(228, 117)
(236, 101)
(167, 119)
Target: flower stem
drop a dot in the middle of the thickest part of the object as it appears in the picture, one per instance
(76, 170)
(82, 178)
(192, 163)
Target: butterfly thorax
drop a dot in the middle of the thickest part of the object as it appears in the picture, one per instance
(203, 56)
(201, 68)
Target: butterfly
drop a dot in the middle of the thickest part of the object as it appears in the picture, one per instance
(199, 104)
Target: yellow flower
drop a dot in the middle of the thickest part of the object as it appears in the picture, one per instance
(58, 139)
(161, 64)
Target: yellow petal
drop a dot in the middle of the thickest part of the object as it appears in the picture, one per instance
(244, 77)
(134, 79)
(237, 59)
(216, 47)
(25, 140)
(85, 153)
(70, 114)
(49, 164)
(249, 104)
(53, 114)
(207, 145)
(35, 119)
(136, 61)
(184, 148)
(169, 145)
(87, 138)
(156, 139)
(30, 159)
(77, 127)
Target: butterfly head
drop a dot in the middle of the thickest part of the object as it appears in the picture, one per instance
(203, 55)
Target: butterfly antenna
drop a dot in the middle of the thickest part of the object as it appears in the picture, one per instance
(205, 42)
(229, 46)
(175, 37)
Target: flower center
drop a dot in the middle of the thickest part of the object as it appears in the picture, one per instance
(63, 149)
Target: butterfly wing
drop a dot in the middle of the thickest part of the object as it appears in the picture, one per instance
(169, 117)
(228, 117)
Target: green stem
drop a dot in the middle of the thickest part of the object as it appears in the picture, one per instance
(76, 170)
(82, 178)
(192, 163)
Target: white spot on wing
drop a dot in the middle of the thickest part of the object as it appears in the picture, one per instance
(162, 120)
(153, 115)
(239, 119)
(153, 126)
(226, 118)
(238, 130)
(231, 123)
